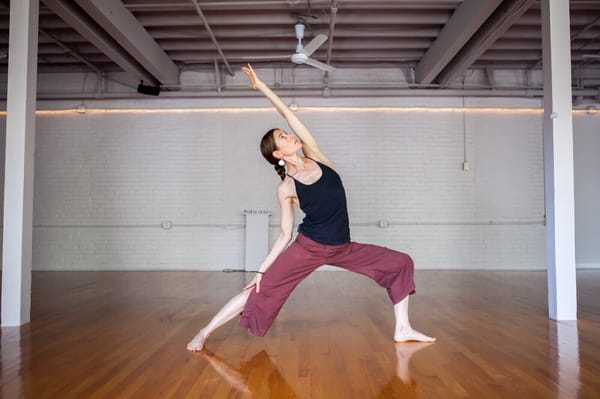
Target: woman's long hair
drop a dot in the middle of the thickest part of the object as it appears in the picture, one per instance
(267, 146)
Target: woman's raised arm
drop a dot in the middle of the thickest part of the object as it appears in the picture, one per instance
(309, 145)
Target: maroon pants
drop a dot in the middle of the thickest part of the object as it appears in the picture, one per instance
(390, 269)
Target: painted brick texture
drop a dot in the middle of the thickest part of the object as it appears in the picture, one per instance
(104, 184)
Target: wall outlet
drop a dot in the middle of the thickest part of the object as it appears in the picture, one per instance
(383, 224)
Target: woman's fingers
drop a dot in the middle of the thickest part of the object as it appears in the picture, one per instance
(251, 75)
(250, 284)
(258, 278)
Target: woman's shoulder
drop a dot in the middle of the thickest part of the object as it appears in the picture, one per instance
(288, 181)
(286, 188)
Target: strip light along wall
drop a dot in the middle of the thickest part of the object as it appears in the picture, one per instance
(112, 111)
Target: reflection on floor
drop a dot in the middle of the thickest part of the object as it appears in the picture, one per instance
(123, 335)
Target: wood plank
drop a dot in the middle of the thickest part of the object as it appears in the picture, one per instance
(123, 335)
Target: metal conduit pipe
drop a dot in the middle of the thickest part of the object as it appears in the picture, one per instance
(212, 37)
(332, 16)
(210, 92)
(218, 77)
(70, 51)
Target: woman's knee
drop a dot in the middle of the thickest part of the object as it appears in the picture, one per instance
(405, 261)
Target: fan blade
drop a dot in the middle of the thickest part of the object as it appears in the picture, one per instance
(314, 44)
(320, 65)
(265, 57)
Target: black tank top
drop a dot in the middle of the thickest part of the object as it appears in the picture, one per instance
(324, 204)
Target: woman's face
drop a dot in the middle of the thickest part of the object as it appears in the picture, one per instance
(287, 143)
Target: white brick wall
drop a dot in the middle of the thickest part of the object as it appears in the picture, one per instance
(104, 183)
(586, 145)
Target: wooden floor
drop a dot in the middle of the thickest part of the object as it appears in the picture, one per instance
(123, 335)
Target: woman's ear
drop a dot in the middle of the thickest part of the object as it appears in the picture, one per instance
(277, 154)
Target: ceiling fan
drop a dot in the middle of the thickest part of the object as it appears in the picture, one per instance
(303, 53)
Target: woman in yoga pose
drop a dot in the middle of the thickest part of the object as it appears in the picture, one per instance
(309, 181)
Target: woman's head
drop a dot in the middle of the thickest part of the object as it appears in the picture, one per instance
(275, 145)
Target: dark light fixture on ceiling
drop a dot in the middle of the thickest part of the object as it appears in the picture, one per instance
(148, 89)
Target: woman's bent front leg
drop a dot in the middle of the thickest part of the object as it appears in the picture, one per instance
(231, 309)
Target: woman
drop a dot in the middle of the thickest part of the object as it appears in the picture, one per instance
(309, 181)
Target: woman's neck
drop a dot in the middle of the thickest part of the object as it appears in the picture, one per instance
(298, 165)
(296, 161)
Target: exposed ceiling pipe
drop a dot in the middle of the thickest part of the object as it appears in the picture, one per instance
(585, 29)
(71, 52)
(573, 37)
(217, 77)
(348, 92)
(332, 16)
(212, 37)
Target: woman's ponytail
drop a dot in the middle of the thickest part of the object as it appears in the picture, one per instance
(280, 171)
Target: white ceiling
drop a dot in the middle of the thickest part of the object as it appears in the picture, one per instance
(436, 41)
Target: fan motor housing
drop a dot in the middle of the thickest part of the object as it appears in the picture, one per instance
(299, 58)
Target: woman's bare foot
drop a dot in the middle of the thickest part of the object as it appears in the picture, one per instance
(197, 343)
(408, 334)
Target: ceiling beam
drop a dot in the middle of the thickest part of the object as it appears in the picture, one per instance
(465, 21)
(287, 46)
(87, 28)
(341, 55)
(502, 19)
(122, 25)
(262, 5)
(272, 18)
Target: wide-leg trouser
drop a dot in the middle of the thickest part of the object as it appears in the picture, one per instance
(391, 269)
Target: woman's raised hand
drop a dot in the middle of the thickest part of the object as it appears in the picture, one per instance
(251, 76)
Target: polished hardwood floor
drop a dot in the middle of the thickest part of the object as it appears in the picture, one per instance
(123, 335)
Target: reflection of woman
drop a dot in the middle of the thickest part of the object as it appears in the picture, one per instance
(402, 384)
(268, 383)
(323, 237)
(259, 376)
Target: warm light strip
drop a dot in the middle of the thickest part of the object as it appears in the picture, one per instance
(422, 109)
(105, 111)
